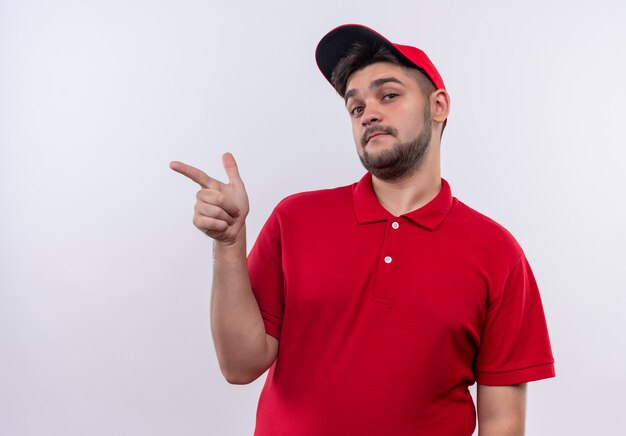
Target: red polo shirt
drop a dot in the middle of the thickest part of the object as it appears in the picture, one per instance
(384, 322)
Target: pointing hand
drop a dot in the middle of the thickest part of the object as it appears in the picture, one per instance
(221, 208)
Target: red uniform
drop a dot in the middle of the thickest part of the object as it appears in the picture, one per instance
(384, 322)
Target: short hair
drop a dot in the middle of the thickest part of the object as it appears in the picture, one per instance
(361, 55)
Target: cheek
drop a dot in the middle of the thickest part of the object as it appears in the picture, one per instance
(410, 126)
(356, 133)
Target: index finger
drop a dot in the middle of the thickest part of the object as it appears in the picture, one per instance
(193, 173)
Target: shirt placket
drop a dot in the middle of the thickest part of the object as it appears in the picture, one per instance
(387, 263)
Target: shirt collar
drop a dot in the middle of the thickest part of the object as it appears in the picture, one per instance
(368, 209)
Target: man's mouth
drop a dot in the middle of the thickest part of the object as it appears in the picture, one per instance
(375, 135)
(375, 132)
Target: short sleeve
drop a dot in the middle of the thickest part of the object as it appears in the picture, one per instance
(266, 275)
(515, 346)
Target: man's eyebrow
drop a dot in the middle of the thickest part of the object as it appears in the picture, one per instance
(375, 84)
(380, 82)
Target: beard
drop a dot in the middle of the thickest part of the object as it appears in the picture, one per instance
(402, 160)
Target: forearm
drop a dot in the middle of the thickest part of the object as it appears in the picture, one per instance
(243, 349)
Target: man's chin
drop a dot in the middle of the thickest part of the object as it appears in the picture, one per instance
(380, 168)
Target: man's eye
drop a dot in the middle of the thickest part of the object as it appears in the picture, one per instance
(357, 110)
(390, 96)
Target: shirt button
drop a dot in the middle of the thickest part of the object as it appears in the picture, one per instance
(395, 225)
(387, 259)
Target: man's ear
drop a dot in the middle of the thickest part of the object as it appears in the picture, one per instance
(440, 105)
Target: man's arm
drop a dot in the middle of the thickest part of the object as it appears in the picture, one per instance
(244, 350)
(501, 410)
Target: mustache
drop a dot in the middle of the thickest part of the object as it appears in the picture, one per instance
(376, 129)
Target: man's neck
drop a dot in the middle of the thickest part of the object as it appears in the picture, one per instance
(409, 193)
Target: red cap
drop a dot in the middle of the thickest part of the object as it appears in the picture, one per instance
(337, 43)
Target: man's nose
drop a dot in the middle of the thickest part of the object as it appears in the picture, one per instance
(371, 115)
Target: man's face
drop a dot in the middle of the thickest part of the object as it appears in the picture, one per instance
(390, 118)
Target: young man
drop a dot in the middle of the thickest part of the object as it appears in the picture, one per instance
(375, 306)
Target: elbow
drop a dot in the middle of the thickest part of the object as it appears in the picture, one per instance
(240, 377)
(243, 370)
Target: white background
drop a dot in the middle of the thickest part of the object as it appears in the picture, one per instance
(105, 282)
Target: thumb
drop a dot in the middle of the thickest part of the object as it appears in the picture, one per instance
(232, 171)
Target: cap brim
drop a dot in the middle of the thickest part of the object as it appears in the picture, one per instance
(337, 43)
